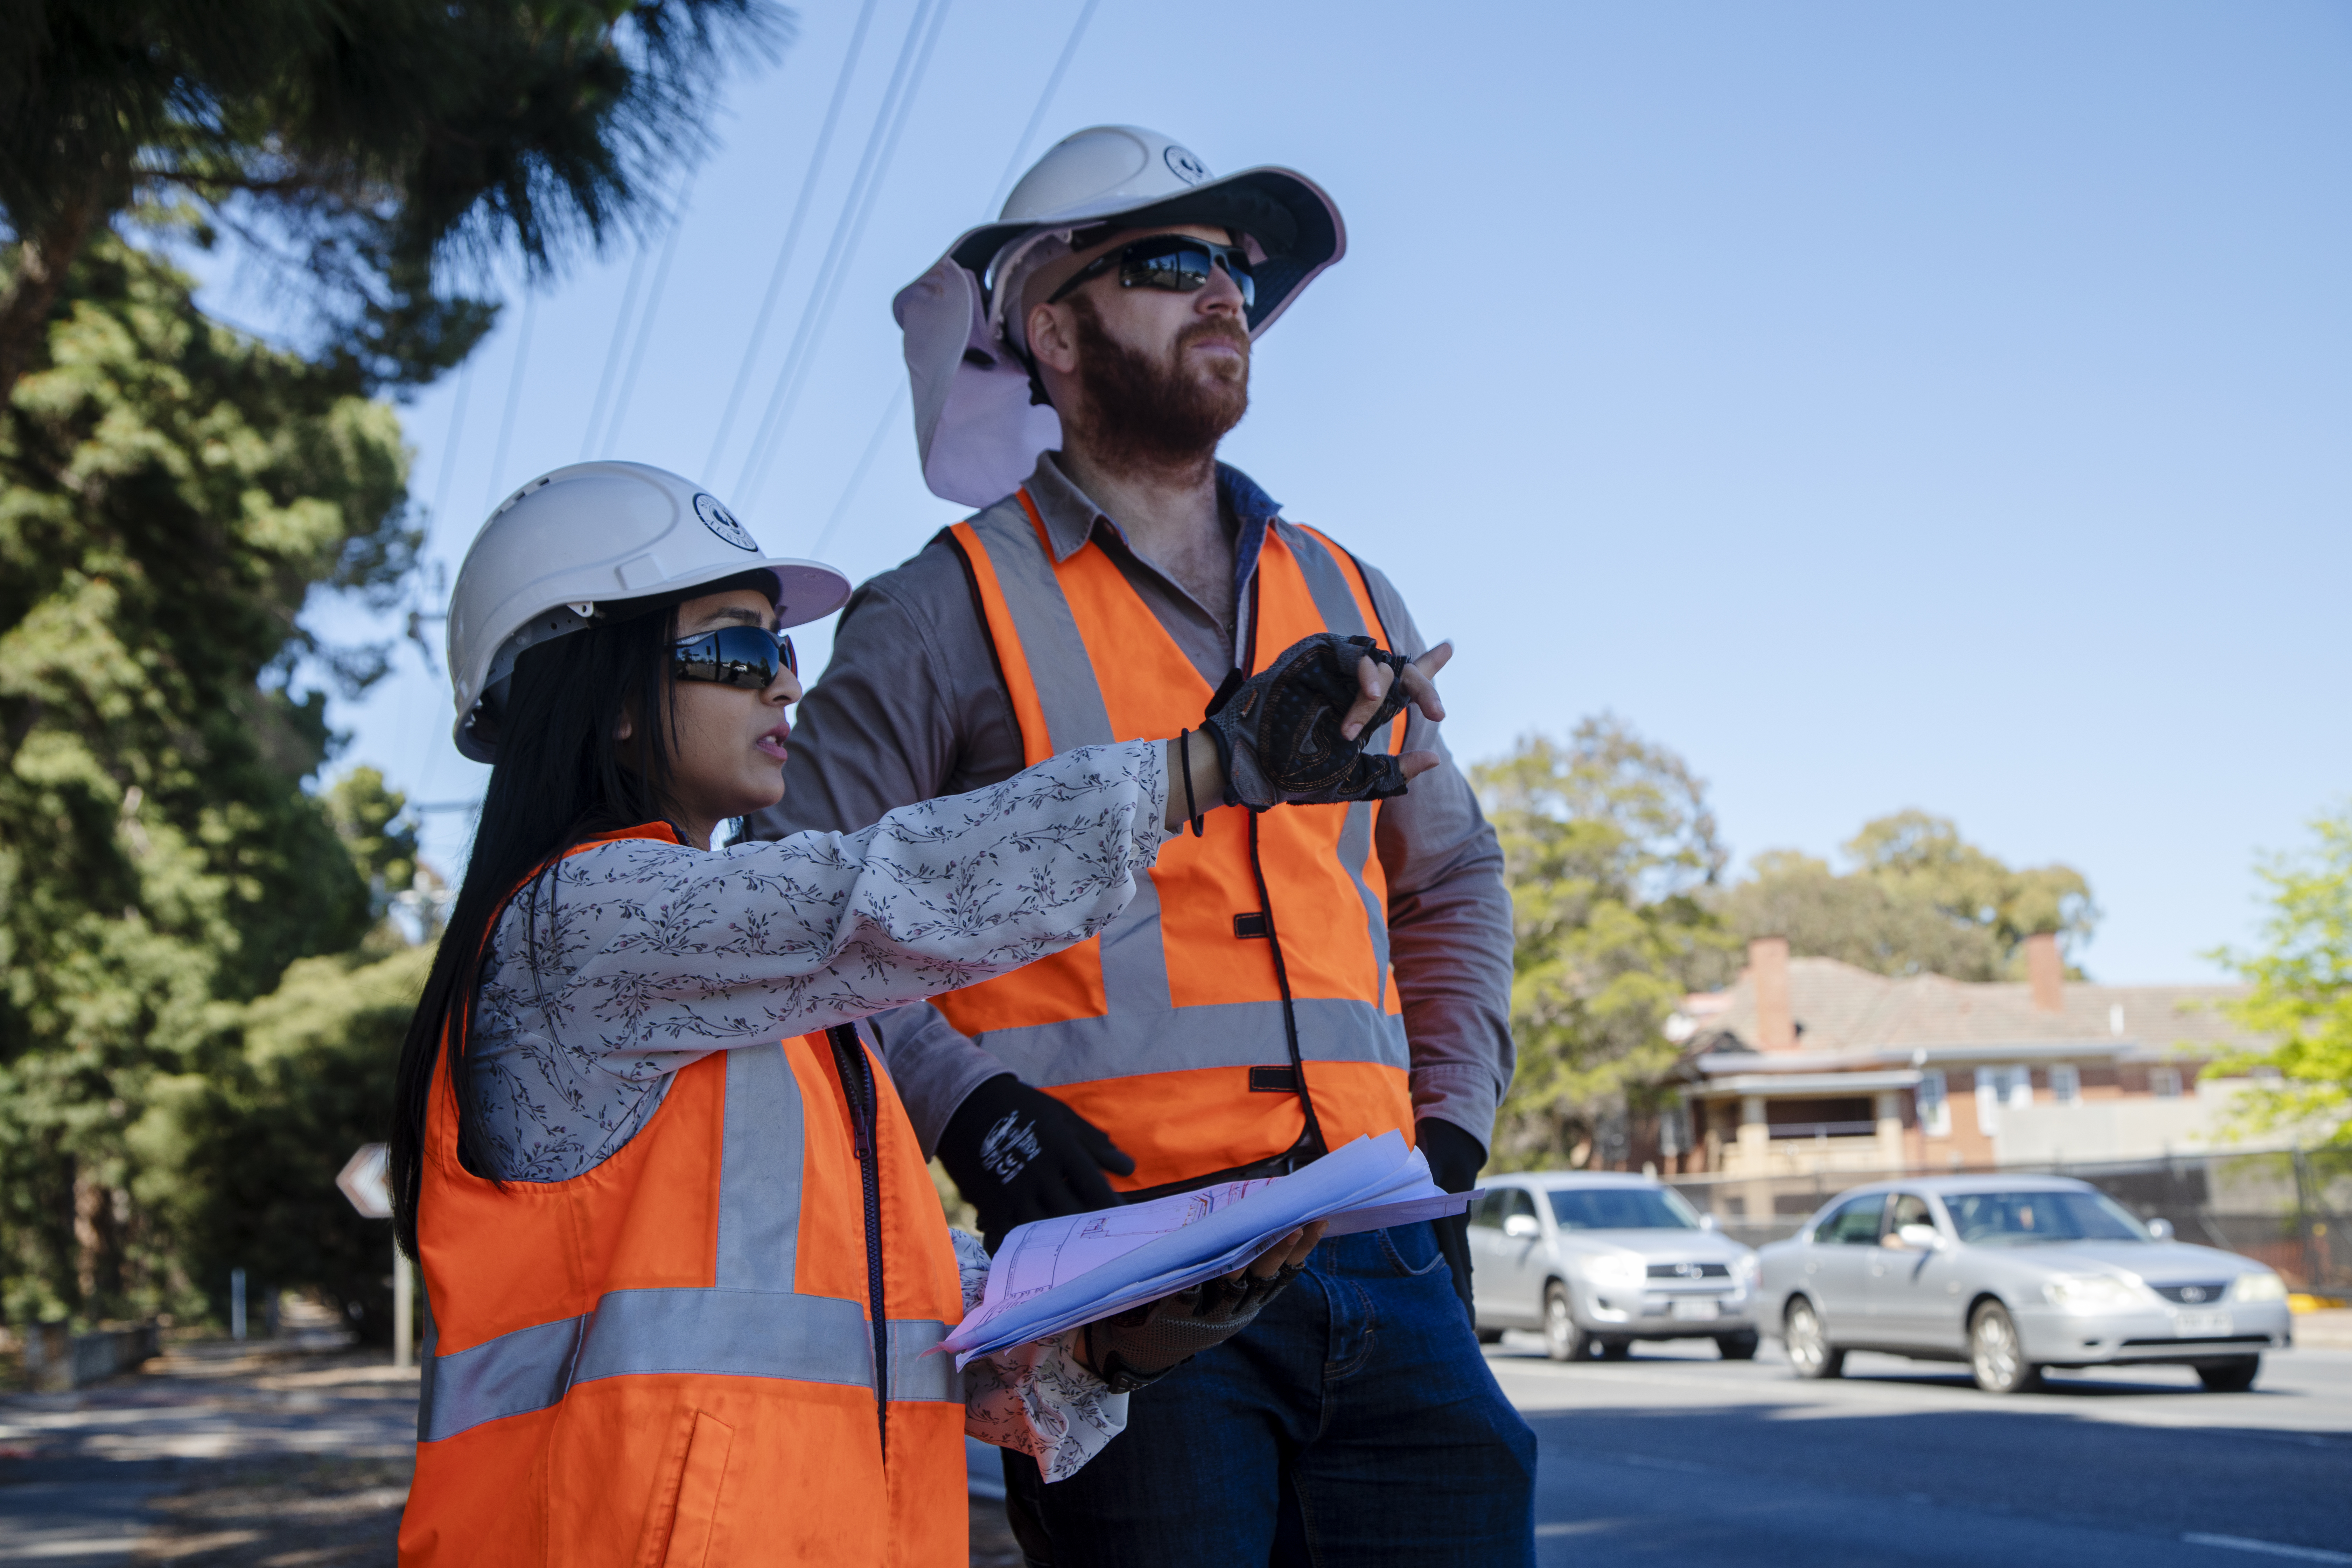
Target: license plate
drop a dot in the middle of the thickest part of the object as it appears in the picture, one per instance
(2201, 1325)
(1700, 1311)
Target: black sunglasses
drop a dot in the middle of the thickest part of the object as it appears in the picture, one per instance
(747, 656)
(1175, 261)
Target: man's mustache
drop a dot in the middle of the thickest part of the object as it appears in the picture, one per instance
(1233, 331)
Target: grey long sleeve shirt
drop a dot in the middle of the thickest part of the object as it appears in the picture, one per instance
(911, 706)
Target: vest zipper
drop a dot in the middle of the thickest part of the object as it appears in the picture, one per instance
(858, 1087)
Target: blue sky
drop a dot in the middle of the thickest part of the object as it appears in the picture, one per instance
(1882, 406)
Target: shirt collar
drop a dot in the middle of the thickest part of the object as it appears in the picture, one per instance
(1070, 516)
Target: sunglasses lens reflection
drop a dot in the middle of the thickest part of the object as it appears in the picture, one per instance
(747, 656)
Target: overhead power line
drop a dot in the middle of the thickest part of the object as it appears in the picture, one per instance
(514, 395)
(612, 354)
(889, 120)
(456, 430)
(791, 236)
(1037, 115)
(645, 327)
(1012, 169)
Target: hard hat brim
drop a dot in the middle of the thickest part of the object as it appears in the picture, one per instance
(1318, 236)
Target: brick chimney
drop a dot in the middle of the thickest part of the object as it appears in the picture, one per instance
(1767, 968)
(2045, 972)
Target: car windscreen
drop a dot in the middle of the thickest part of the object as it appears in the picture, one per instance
(1621, 1208)
(2014, 1219)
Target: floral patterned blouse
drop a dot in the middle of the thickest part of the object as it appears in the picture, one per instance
(639, 958)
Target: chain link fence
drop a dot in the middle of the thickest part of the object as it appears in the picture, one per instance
(2291, 1209)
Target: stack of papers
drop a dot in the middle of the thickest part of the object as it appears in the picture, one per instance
(1054, 1274)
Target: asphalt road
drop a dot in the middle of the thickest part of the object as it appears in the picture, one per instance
(1674, 1456)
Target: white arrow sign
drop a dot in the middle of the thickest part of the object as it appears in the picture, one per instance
(367, 1182)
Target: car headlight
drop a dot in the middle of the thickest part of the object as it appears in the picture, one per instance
(1616, 1269)
(2091, 1293)
(2261, 1285)
(1745, 1270)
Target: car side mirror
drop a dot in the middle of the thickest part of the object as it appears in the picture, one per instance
(1706, 1222)
(1918, 1238)
(2159, 1229)
(1522, 1228)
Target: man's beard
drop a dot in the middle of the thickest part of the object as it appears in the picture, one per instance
(1145, 413)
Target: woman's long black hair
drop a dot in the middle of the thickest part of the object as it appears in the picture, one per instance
(560, 777)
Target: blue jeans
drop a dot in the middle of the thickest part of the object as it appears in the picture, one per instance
(1354, 1424)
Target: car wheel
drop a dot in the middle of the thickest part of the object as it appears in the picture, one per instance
(1996, 1355)
(1737, 1347)
(2230, 1376)
(1809, 1351)
(1562, 1337)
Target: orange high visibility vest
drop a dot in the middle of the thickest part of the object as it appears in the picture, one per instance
(1240, 1010)
(673, 1358)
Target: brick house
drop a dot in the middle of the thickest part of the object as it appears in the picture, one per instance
(1808, 1066)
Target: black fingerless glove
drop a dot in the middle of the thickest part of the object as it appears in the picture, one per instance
(1018, 1154)
(1145, 1344)
(1277, 732)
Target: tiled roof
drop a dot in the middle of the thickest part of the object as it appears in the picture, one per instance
(1844, 1010)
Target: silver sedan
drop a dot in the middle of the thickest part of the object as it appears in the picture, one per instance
(2013, 1274)
(1598, 1260)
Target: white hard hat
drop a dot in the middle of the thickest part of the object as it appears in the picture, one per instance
(574, 542)
(975, 427)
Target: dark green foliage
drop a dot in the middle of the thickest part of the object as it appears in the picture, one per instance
(366, 147)
(170, 494)
(1610, 849)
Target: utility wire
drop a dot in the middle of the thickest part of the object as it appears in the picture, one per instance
(1012, 168)
(890, 118)
(646, 325)
(514, 395)
(858, 476)
(612, 354)
(456, 431)
(1037, 115)
(791, 236)
(794, 375)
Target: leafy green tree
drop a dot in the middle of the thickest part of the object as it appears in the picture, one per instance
(364, 148)
(1920, 900)
(170, 492)
(2300, 994)
(1609, 848)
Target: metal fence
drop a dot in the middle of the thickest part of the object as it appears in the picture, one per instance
(2291, 1209)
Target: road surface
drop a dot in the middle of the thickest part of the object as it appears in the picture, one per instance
(1675, 1457)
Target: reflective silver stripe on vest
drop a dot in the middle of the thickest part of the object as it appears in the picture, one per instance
(718, 1333)
(1058, 664)
(1146, 1032)
(759, 1172)
(1355, 853)
(1216, 1035)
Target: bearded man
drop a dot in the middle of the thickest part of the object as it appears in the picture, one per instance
(1287, 982)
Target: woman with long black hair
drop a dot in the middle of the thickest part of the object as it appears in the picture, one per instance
(683, 1259)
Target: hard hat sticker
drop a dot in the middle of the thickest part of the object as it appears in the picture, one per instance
(721, 522)
(1185, 166)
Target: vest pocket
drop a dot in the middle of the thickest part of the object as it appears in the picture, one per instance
(686, 1511)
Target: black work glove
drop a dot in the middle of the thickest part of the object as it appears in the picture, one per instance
(1145, 1344)
(1277, 732)
(1455, 1159)
(1018, 1154)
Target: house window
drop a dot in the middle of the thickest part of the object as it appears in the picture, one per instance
(2066, 1085)
(1997, 1086)
(1934, 1110)
(2164, 1082)
(1673, 1131)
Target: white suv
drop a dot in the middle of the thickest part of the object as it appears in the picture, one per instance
(1598, 1260)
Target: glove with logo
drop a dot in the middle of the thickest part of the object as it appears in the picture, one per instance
(1018, 1154)
(1277, 732)
(1145, 1344)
